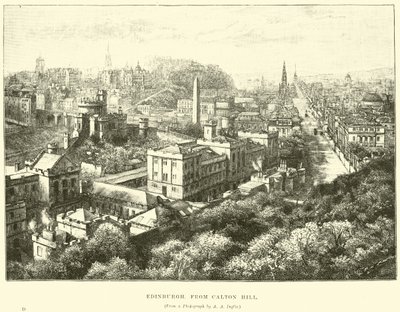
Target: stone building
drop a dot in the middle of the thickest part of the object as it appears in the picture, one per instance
(240, 153)
(20, 106)
(16, 224)
(186, 171)
(355, 129)
(120, 201)
(250, 121)
(59, 179)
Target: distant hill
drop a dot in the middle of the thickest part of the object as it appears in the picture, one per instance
(181, 73)
(363, 75)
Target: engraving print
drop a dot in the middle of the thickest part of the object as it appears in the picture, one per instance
(199, 142)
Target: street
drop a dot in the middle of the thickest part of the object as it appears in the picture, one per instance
(327, 164)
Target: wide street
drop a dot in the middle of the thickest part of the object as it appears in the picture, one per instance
(326, 163)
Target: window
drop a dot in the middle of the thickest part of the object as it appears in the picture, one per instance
(165, 176)
(354, 138)
(15, 226)
(65, 194)
(154, 185)
(174, 164)
(164, 163)
(73, 182)
(155, 161)
(34, 187)
(174, 189)
(39, 251)
(155, 174)
(174, 176)
(65, 183)
(378, 139)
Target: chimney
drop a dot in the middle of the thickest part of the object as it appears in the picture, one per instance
(210, 130)
(143, 126)
(49, 235)
(16, 166)
(52, 148)
(66, 140)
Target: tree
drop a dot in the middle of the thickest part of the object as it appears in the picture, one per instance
(108, 241)
(115, 269)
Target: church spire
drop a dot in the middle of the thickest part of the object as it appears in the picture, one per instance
(284, 75)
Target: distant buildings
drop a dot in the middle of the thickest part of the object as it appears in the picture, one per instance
(354, 129)
(20, 106)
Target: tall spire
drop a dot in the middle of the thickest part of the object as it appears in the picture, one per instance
(284, 75)
(295, 72)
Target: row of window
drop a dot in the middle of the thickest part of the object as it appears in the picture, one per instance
(27, 188)
(367, 139)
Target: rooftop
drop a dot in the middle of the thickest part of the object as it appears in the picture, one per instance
(47, 161)
(123, 193)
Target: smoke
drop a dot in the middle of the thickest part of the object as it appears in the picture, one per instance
(32, 225)
(46, 219)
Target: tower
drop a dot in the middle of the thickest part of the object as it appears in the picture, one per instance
(295, 74)
(196, 101)
(284, 75)
(108, 63)
(39, 69)
(283, 86)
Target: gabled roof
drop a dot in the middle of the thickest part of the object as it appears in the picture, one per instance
(83, 215)
(47, 161)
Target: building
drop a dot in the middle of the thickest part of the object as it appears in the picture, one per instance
(59, 179)
(94, 105)
(132, 178)
(185, 106)
(357, 130)
(241, 154)
(250, 121)
(196, 101)
(186, 171)
(20, 106)
(22, 186)
(120, 201)
(109, 125)
(270, 142)
(281, 123)
(76, 223)
(16, 224)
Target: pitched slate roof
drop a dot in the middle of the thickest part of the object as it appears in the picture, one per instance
(124, 193)
(47, 161)
(83, 215)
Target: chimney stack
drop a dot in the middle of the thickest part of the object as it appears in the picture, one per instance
(66, 140)
(52, 148)
(210, 130)
(16, 166)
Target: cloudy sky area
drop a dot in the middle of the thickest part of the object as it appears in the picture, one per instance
(242, 40)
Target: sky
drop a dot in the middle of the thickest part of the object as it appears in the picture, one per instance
(243, 40)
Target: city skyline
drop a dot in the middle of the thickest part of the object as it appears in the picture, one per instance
(263, 37)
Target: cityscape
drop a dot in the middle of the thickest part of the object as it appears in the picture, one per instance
(126, 159)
